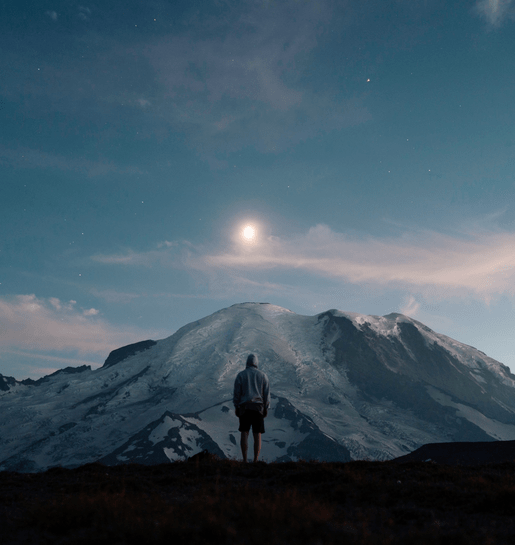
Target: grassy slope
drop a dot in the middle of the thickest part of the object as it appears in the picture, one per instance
(229, 502)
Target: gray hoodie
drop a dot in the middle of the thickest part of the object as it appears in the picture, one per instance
(251, 386)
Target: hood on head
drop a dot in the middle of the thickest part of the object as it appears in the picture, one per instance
(252, 361)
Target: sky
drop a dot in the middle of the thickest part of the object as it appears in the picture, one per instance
(370, 145)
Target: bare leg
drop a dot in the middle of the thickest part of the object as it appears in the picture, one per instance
(257, 445)
(244, 443)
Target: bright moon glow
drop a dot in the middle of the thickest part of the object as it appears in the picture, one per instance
(249, 233)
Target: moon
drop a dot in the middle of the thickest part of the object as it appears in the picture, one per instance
(248, 233)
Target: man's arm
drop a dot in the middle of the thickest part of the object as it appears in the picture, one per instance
(236, 398)
(266, 396)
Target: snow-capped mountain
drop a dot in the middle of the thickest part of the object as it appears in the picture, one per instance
(345, 386)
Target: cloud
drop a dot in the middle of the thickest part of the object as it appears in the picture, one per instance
(243, 83)
(84, 13)
(167, 244)
(483, 265)
(130, 258)
(494, 11)
(410, 306)
(168, 254)
(240, 77)
(480, 264)
(31, 323)
(52, 15)
(245, 56)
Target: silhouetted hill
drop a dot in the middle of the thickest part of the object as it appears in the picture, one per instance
(460, 453)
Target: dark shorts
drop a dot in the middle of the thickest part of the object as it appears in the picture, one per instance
(252, 419)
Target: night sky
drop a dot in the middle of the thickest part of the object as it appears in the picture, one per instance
(370, 144)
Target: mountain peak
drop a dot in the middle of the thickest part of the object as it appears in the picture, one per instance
(356, 385)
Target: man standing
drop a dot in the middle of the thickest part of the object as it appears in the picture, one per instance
(251, 402)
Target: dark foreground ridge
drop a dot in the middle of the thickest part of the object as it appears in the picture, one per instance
(207, 500)
(460, 453)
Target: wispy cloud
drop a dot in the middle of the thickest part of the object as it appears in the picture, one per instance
(31, 323)
(145, 259)
(244, 89)
(482, 264)
(243, 82)
(84, 13)
(223, 82)
(495, 11)
(215, 283)
(410, 306)
(165, 253)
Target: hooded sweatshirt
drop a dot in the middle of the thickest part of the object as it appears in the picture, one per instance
(251, 387)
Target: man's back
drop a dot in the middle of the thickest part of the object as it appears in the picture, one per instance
(252, 386)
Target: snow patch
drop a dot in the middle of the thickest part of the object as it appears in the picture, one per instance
(494, 428)
(161, 431)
